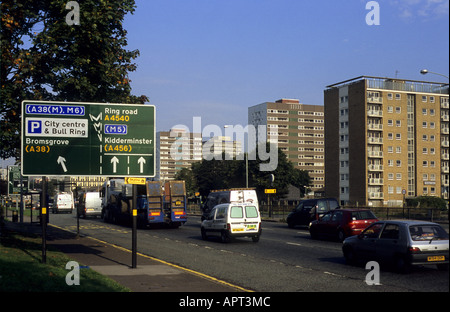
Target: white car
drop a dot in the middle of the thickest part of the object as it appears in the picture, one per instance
(233, 220)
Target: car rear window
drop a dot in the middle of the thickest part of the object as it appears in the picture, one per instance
(427, 232)
(363, 215)
(236, 212)
(251, 212)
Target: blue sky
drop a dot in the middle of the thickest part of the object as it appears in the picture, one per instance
(215, 58)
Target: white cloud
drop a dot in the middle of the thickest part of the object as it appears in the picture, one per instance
(425, 9)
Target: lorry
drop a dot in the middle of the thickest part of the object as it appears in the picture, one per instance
(157, 203)
(63, 202)
(233, 195)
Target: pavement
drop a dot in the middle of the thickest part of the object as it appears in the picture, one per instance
(150, 274)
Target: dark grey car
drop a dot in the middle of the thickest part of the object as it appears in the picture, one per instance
(401, 243)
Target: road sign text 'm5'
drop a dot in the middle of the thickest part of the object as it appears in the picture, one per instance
(88, 139)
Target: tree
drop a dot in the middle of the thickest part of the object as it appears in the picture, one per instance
(186, 175)
(224, 174)
(45, 58)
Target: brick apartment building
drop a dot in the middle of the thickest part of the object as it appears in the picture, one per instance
(299, 131)
(386, 139)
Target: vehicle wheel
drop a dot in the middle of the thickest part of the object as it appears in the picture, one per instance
(291, 225)
(204, 236)
(349, 255)
(255, 239)
(442, 267)
(225, 237)
(341, 236)
(313, 234)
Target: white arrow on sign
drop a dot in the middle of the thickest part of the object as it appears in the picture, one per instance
(61, 160)
(141, 162)
(114, 161)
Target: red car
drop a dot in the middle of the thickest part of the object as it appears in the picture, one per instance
(342, 223)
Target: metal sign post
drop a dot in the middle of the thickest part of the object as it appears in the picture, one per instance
(134, 231)
(44, 219)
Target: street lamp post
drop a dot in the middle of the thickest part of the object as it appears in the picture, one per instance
(426, 71)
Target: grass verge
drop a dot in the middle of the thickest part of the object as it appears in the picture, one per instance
(21, 269)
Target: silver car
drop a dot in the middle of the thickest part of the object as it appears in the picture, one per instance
(401, 243)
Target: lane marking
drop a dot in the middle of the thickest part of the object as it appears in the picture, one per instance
(295, 244)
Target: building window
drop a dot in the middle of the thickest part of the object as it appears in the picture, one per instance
(424, 124)
(398, 149)
(398, 136)
(424, 98)
(399, 163)
(398, 109)
(390, 122)
(398, 123)
(398, 96)
(425, 163)
(424, 111)
(432, 99)
(390, 176)
(399, 176)
(390, 96)
(390, 109)
(431, 112)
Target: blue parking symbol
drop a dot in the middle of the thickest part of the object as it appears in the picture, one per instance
(34, 126)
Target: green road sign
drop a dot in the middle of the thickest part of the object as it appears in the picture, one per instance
(16, 183)
(88, 139)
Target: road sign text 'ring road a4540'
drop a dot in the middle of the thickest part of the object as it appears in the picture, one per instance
(88, 139)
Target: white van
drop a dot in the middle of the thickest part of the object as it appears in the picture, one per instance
(233, 220)
(90, 204)
(234, 195)
(63, 203)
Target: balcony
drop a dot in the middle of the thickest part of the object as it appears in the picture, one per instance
(444, 105)
(445, 169)
(445, 156)
(375, 154)
(376, 195)
(376, 127)
(444, 118)
(445, 131)
(375, 140)
(375, 113)
(375, 99)
(445, 143)
(375, 167)
(378, 181)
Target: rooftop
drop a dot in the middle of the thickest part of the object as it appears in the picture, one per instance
(397, 84)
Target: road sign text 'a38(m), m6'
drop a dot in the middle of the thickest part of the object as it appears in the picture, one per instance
(88, 139)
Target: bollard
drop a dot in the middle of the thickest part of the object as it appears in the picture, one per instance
(15, 216)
